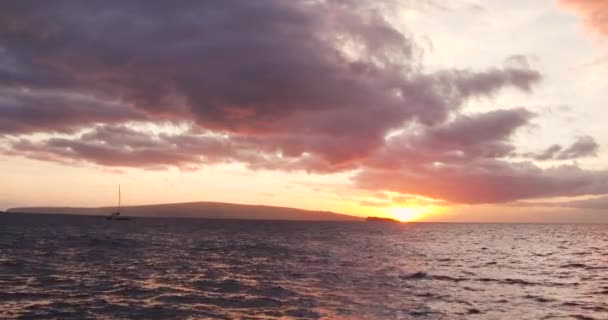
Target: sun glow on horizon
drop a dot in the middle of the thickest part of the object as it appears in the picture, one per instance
(407, 214)
(413, 213)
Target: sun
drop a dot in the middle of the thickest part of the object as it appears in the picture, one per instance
(407, 214)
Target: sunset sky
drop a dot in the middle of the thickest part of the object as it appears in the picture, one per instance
(423, 110)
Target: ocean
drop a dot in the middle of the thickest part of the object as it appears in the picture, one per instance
(78, 267)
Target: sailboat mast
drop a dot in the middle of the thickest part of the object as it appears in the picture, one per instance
(119, 198)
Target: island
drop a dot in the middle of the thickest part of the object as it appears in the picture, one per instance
(207, 210)
(381, 220)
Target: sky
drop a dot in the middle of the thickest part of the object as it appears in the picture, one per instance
(457, 111)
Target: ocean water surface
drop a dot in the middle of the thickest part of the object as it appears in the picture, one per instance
(72, 267)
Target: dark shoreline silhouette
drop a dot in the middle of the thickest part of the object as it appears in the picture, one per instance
(381, 220)
(209, 210)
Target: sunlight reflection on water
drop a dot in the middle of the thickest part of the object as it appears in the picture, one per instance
(58, 267)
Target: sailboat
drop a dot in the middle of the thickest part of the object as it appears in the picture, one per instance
(116, 215)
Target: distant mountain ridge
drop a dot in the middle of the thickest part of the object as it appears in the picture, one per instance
(209, 210)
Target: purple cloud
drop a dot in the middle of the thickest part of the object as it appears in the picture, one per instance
(25, 111)
(323, 78)
(600, 203)
(584, 146)
(282, 85)
(464, 139)
(487, 181)
(469, 160)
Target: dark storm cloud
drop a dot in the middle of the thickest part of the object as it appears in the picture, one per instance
(283, 85)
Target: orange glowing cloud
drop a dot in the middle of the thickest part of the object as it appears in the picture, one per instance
(593, 12)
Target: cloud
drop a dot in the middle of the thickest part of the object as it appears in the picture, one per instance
(593, 12)
(487, 181)
(584, 146)
(26, 111)
(306, 77)
(594, 203)
(125, 147)
(320, 86)
(548, 154)
(469, 161)
(600, 203)
(466, 138)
